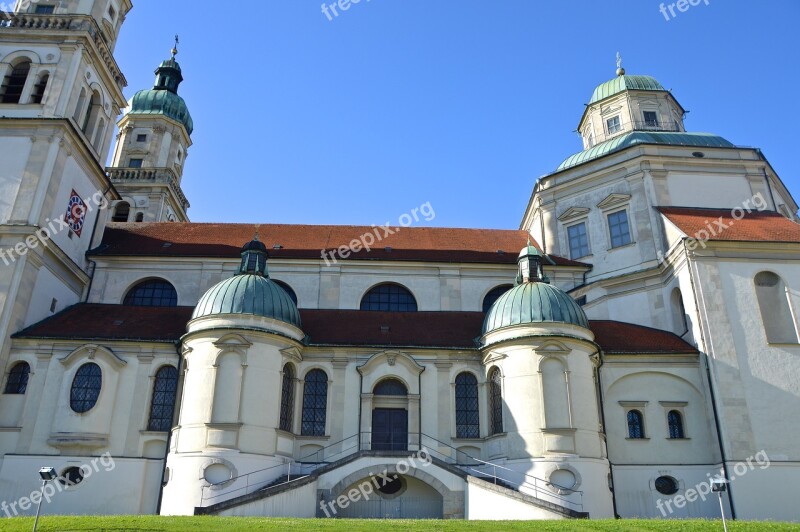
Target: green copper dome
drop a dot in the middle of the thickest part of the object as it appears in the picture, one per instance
(162, 102)
(163, 98)
(248, 294)
(623, 83)
(250, 291)
(619, 143)
(534, 302)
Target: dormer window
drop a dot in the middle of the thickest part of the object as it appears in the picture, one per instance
(613, 124)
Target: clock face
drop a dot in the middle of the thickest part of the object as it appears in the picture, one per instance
(76, 213)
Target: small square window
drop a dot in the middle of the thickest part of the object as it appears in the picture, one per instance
(650, 119)
(613, 124)
(578, 240)
(141, 138)
(44, 9)
(53, 305)
(618, 229)
(135, 163)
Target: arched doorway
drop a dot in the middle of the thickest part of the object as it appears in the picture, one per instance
(401, 497)
(390, 416)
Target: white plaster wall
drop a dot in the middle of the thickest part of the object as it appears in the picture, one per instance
(47, 288)
(485, 504)
(708, 190)
(298, 502)
(14, 152)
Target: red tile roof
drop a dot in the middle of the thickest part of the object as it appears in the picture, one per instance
(332, 327)
(620, 337)
(756, 226)
(432, 244)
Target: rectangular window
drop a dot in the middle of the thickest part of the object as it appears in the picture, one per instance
(44, 10)
(651, 118)
(135, 163)
(618, 229)
(578, 240)
(613, 124)
(141, 138)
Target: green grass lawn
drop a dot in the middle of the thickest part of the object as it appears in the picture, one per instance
(250, 524)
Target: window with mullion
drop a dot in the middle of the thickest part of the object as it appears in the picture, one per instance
(17, 381)
(162, 405)
(495, 402)
(675, 421)
(635, 425)
(287, 398)
(85, 388)
(315, 403)
(467, 416)
(578, 240)
(618, 228)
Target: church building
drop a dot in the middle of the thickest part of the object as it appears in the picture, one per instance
(637, 335)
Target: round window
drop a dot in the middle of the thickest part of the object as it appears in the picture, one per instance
(217, 473)
(392, 486)
(667, 485)
(71, 476)
(563, 479)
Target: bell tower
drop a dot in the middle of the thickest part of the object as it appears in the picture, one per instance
(151, 150)
(60, 93)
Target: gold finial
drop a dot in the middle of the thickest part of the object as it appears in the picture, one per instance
(175, 48)
(620, 70)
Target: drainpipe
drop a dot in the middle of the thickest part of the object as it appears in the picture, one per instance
(711, 387)
(360, 393)
(605, 432)
(169, 434)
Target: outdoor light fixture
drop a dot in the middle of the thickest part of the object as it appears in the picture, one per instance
(47, 474)
(719, 486)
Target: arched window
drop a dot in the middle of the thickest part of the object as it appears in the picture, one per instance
(315, 403)
(122, 212)
(495, 402)
(390, 387)
(40, 87)
(85, 388)
(635, 425)
(91, 114)
(678, 312)
(776, 314)
(389, 297)
(675, 421)
(17, 381)
(153, 293)
(14, 82)
(287, 289)
(98, 136)
(493, 295)
(287, 398)
(79, 106)
(162, 405)
(467, 419)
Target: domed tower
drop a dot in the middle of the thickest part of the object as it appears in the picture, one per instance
(541, 362)
(240, 351)
(629, 103)
(151, 150)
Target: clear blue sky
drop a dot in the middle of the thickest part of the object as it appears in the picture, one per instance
(462, 104)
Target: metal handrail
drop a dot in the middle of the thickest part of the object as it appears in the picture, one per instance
(287, 464)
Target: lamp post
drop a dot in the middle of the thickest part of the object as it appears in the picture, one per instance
(720, 485)
(46, 474)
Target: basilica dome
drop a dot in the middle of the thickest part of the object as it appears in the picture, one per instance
(534, 300)
(249, 292)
